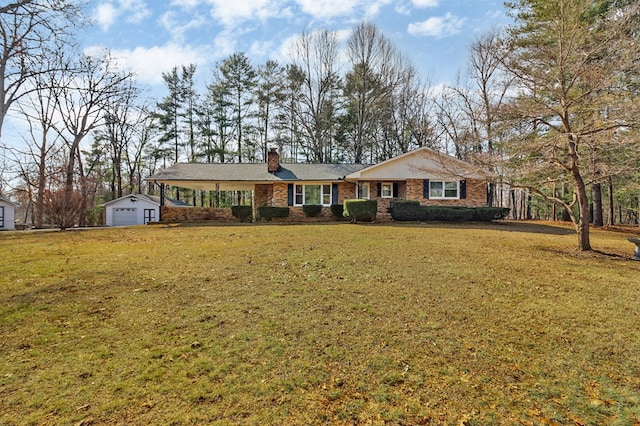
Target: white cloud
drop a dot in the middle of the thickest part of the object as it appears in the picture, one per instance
(185, 4)
(286, 48)
(231, 11)
(437, 26)
(322, 9)
(261, 49)
(225, 43)
(373, 9)
(106, 14)
(135, 10)
(425, 3)
(148, 63)
(177, 29)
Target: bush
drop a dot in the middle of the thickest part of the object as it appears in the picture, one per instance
(489, 214)
(312, 210)
(360, 210)
(244, 213)
(452, 214)
(267, 212)
(337, 210)
(405, 210)
(413, 211)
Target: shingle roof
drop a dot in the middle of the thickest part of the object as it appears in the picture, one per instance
(152, 198)
(250, 172)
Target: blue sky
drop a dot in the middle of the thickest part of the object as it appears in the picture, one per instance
(152, 36)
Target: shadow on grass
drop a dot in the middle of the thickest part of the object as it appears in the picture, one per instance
(508, 226)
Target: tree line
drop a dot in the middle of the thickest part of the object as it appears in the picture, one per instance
(549, 104)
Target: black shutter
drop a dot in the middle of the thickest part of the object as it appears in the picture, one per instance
(290, 194)
(379, 190)
(463, 189)
(395, 190)
(359, 194)
(334, 193)
(425, 189)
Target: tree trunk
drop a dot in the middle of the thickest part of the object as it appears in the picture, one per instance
(596, 194)
(582, 224)
(42, 180)
(611, 207)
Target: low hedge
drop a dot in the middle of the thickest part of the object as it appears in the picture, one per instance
(337, 211)
(267, 212)
(489, 214)
(360, 210)
(413, 211)
(244, 213)
(312, 210)
(405, 210)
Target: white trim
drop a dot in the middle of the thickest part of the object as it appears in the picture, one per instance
(382, 185)
(444, 184)
(304, 195)
(362, 193)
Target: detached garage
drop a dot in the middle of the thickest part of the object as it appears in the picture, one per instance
(7, 214)
(133, 209)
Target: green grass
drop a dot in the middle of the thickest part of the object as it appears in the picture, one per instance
(319, 324)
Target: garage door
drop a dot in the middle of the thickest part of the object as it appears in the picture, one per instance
(124, 216)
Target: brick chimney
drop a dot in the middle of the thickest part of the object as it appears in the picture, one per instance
(273, 160)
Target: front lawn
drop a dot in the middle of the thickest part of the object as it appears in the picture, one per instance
(319, 324)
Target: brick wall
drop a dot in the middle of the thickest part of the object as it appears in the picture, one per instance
(280, 194)
(263, 195)
(196, 214)
(413, 190)
(346, 191)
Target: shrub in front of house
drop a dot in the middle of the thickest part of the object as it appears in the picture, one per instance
(450, 214)
(244, 213)
(412, 211)
(267, 212)
(405, 210)
(312, 210)
(489, 214)
(360, 210)
(337, 210)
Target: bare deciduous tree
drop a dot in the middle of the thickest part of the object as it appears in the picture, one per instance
(84, 95)
(315, 58)
(29, 31)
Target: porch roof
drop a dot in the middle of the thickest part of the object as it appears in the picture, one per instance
(244, 176)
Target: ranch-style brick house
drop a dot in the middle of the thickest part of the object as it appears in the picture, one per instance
(424, 175)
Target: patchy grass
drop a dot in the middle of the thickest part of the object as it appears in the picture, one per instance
(319, 324)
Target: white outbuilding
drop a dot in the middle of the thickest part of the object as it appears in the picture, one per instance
(7, 214)
(135, 209)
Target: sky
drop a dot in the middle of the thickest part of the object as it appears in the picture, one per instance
(152, 36)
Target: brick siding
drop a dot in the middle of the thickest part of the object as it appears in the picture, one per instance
(196, 214)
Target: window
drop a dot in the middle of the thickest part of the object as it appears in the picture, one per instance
(149, 215)
(386, 190)
(442, 189)
(312, 194)
(1, 216)
(363, 191)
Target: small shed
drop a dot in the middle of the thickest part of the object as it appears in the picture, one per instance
(7, 214)
(136, 209)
